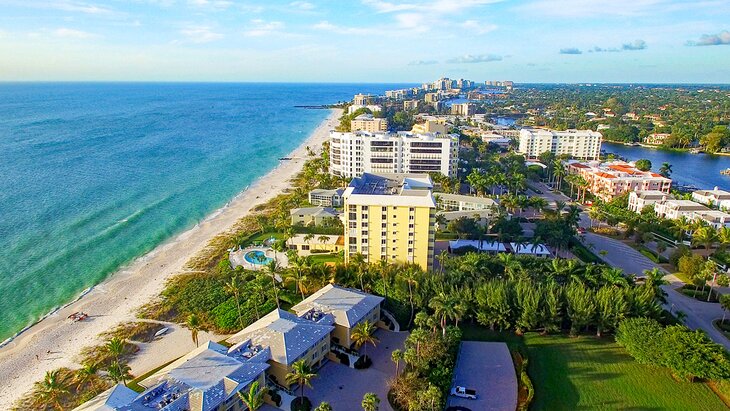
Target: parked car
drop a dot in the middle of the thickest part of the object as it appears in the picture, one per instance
(581, 230)
(464, 392)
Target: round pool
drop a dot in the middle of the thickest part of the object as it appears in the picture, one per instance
(257, 257)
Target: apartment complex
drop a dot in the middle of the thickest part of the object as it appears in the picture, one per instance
(287, 338)
(713, 198)
(463, 109)
(372, 107)
(326, 198)
(579, 144)
(458, 202)
(674, 209)
(366, 122)
(429, 126)
(640, 199)
(312, 215)
(355, 153)
(390, 217)
(409, 105)
(349, 308)
(612, 179)
(208, 378)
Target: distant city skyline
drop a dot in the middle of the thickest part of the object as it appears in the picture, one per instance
(649, 41)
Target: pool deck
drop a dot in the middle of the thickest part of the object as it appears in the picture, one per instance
(238, 258)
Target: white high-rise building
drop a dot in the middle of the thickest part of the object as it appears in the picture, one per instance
(355, 153)
(579, 144)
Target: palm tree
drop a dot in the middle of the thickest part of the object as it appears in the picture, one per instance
(397, 357)
(301, 374)
(115, 347)
(323, 406)
(86, 375)
(558, 172)
(370, 402)
(682, 225)
(364, 334)
(723, 237)
(254, 398)
(444, 307)
(358, 260)
(298, 273)
(193, 323)
(273, 268)
(705, 236)
(323, 239)
(233, 288)
(725, 304)
(119, 371)
(665, 170)
(410, 277)
(309, 237)
(52, 388)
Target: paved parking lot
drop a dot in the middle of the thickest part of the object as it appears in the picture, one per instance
(344, 387)
(487, 368)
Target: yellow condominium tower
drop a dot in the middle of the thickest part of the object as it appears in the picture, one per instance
(390, 217)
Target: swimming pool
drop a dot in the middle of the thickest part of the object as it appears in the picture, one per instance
(257, 257)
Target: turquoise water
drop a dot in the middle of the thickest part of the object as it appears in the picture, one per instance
(699, 170)
(257, 257)
(94, 175)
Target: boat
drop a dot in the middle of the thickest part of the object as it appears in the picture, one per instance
(695, 151)
(725, 172)
(161, 332)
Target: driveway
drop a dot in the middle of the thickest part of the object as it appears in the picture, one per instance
(487, 368)
(699, 314)
(620, 255)
(344, 387)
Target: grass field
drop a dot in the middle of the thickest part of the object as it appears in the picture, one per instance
(587, 373)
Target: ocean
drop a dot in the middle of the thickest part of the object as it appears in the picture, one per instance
(94, 175)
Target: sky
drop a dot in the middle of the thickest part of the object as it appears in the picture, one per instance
(647, 41)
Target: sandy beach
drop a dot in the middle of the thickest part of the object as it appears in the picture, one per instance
(56, 342)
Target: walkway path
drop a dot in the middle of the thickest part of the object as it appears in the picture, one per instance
(699, 314)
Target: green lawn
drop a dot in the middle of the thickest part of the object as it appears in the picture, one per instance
(258, 238)
(588, 373)
(319, 258)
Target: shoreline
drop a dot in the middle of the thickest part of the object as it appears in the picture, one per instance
(54, 342)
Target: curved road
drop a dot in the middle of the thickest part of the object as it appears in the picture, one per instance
(699, 314)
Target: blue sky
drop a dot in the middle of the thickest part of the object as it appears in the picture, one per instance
(366, 40)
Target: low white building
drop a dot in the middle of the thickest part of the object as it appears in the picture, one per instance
(714, 218)
(312, 215)
(640, 199)
(484, 246)
(713, 198)
(674, 209)
(326, 198)
(372, 107)
(458, 202)
(539, 250)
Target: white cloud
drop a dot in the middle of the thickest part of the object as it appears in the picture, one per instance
(478, 27)
(469, 58)
(66, 33)
(721, 38)
(200, 34)
(79, 7)
(435, 6)
(211, 4)
(386, 7)
(422, 62)
(302, 5)
(360, 31)
(261, 28)
(636, 45)
(570, 50)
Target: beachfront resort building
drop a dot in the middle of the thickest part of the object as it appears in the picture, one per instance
(713, 198)
(640, 199)
(315, 243)
(288, 338)
(326, 198)
(355, 153)
(390, 217)
(349, 308)
(578, 144)
(208, 378)
(608, 180)
(366, 122)
(313, 215)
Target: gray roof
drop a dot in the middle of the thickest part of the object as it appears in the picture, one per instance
(348, 306)
(286, 335)
(322, 191)
(315, 211)
(200, 381)
(389, 184)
